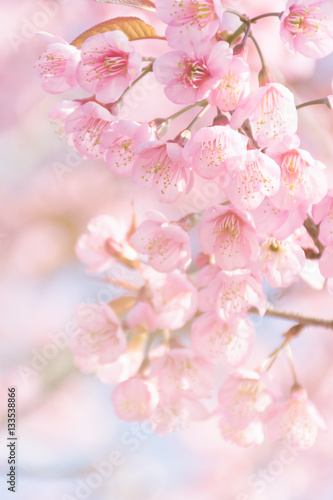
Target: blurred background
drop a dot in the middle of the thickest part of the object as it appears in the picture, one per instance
(67, 431)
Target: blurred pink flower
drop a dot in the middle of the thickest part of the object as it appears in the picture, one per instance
(322, 214)
(307, 27)
(108, 66)
(166, 244)
(120, 143)
(210, 147)
(161, 166)
(253, 176)
(229, 293)
(56, 67)
(243, 397)
(271, 111)
(281, 261)
(252, 435)
(172, 297)
(99, 339)
(190, 74)
(233, 87)
(134, 399)
(86, 125)
(176, 412)
(182, 372)
(142, 318)
(228, 234)
(326, 262)
(103, 244)
(217, 340)
(296, 421)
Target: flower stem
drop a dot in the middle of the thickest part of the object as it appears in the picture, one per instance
(269, 14)
(300, 318)
(313, 231)
(313, 103)
(181, 111)
(147, 70)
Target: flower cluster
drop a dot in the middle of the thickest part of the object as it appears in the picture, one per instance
(252, 237)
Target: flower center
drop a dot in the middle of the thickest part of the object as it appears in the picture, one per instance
(306, 21)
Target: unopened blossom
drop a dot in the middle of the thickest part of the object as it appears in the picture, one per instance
(307, 27)
(182, 372)
(322, 214)
(252, 435)
(218, 340)
(185, 15)
(302, 178)
(281, 261)
(99, 339)
(252, 177)
(120, 143)
(296, 421)
(86, 126)
(233, 87)
(166, 244)
(192, 73)
(108, 65)
(172, 297)
(161, 166)
(229, 294)
(271, 111)
(228, 234)
(56, 67)
(103, 244)
(134, 399)
(243, 397)
(210, 147)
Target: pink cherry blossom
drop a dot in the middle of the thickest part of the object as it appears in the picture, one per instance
(228, 234)
(134, 399)
(56, 67)
(161, 166)
(176, 412)
(253, 177)
(323, 213)
(233, 87)
(108, 66)
(243, 397)
(295, 421)
(210, 147)
(172, 297)
(217, 340)
(326, 262)
(100, 339)
(307, 27)
(166, 244)
(281, 261)
(191, 73)
(142, 318)
(182, 372)
(271, 111)
(229, 294)
(270, 220)
(302, 177)
(58, 114)
(120, 143)
(203, 15)
(104, 242)
(252, 435)
(86, 126)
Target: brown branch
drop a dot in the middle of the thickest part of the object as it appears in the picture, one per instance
(292, 316)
